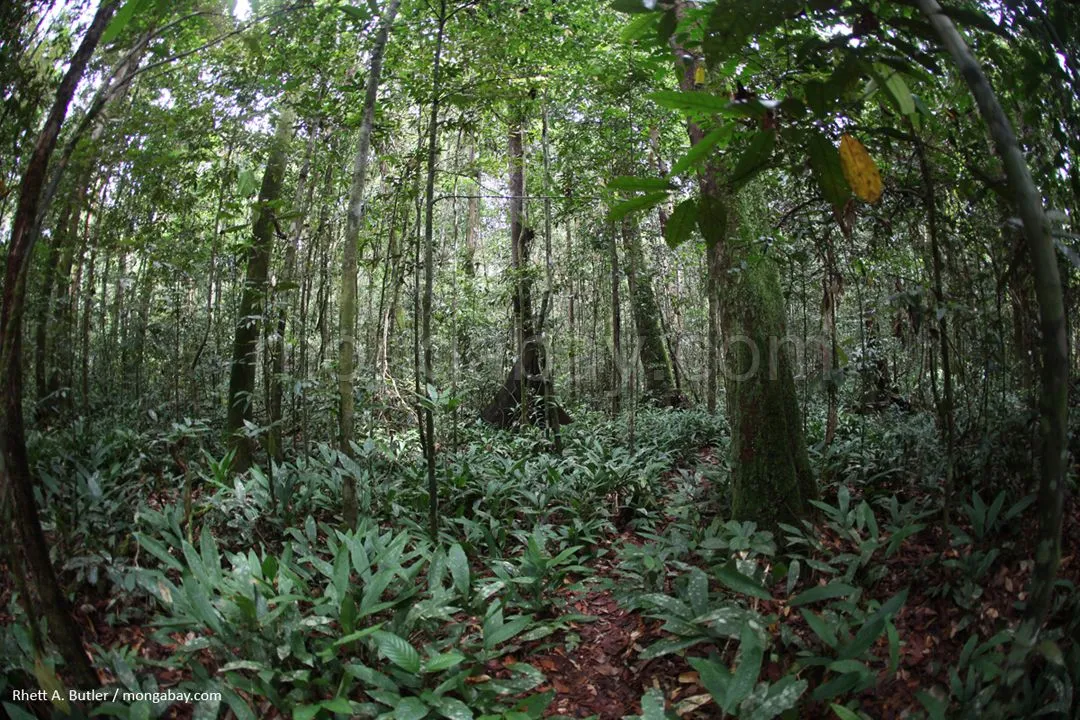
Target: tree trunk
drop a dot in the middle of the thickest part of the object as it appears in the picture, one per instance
(772, 477)
(283, 292)
(347, 309)
(528, 380)
(429, 280)
(1055, 352)
(246, 341)
(14, 464)
(655, 360)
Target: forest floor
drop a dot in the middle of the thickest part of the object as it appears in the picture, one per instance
(605, 617)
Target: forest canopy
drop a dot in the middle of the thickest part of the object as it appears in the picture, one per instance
(538, 358)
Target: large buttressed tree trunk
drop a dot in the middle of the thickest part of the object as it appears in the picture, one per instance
(16, 483)
(246, 342)
(772, 480)
(655, 361)
(520, 399)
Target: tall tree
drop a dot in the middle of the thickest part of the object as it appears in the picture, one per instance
(347, 307)
(17, 483)
(253, 296)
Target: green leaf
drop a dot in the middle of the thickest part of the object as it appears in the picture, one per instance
(712, 219)
(821, 628)
(121, 20)
(398, 651)
(305, 712)
(742, 684)
(453, 709)
(714, 676)
(754, 158)
(740, 583)
(892, 82)
(720, 136)
(873, 627)
(632, 6)
(159, 551)
(459, 568)
(636, 184)
(652, 705)
(680, 223)
(443, 661)
(829, 173)
(338, 705)
(843, 713)
(359, 14)
(506, 631)
(823, 592)
(410, 708)
(643, 202)
(780, 697)
(693, 102)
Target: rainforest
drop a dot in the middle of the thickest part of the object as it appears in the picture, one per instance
(521, 359)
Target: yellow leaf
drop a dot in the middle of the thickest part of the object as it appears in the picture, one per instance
(50, 683)
(699, 75)
(859, 169)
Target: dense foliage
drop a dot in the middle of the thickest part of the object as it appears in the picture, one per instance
(646, 358)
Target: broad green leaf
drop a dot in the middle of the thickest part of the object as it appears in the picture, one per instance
(506, 631)
(410, 708)
(720, 136)
(823, 592)
(746, 674)
(825, 162)
(680, 224)
(443, 661)
(398, 651)
(714, 677)
(357, 13)
(892, 82)
(159, 551)
(754, 158)
(735, 580)
(635, 184)
(643, 202)
(821, 628)
(305, 712)
(712, 219)
(459, 568)
(781, 696)
(121, 19)
(453, 708)
(843, 713)
(873, 627)
(693, 102)
(652, 705)
(338, 705)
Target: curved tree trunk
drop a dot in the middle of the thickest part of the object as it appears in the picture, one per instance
(14, 464)
(1055, 352)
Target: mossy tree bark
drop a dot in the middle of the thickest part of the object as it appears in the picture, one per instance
(655, 360)
(246, 339)
(772, 480)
